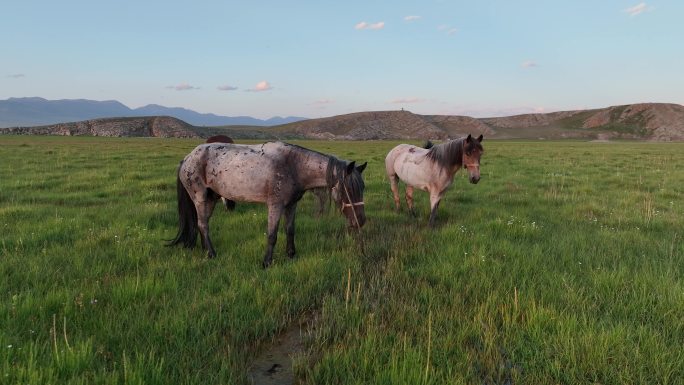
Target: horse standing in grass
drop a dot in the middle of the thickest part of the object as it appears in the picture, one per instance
(432, 168)
(273, 173)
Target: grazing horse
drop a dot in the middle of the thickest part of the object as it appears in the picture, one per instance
(432, 168)
(321, 193)
(273, 173)
(219, 139)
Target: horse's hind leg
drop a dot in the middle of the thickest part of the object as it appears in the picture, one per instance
(395, 190)
(274, 214)
(205, 206)
(409, 199)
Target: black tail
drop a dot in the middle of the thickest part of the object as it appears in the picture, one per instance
(187, 217)
(428, 144)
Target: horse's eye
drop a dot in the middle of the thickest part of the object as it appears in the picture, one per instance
(468, 153)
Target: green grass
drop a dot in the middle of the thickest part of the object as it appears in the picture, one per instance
(564, 265)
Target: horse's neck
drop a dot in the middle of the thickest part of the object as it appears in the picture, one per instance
(311, 170)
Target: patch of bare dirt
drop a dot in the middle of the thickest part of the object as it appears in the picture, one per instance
(274, 365)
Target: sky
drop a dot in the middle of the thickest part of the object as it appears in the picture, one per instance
(323, 58)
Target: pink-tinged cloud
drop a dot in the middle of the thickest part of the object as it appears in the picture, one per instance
(261, 86)
(16, 76)
(226, 88)
(321, 102)
(407, 100)
(411, 18)
(637, 9)
(529, 64)
(183, 87)
(374, 26)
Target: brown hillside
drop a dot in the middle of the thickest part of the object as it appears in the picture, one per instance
(155, 126)
(366, 126)
(648, 121)
(458, 126)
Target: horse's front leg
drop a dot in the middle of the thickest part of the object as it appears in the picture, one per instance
(290, 229)
(275, 211)
(435, 198)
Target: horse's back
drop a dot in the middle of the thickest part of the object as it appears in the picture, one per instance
(409, 163)
(234, 171)
(402, 154)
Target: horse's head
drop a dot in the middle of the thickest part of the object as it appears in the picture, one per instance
(347, 192)
(472, 151)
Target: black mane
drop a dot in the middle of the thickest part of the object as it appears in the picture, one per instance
(335, 173)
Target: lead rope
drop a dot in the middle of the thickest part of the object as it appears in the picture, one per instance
(358, 224)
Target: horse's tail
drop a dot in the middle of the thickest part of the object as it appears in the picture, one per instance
(187, 217)
(428, 144)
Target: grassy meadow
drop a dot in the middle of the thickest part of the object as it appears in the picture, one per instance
(564, 265)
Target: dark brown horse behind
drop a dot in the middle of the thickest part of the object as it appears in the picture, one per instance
(219, 139)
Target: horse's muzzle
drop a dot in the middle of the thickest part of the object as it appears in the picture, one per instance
(474, 180)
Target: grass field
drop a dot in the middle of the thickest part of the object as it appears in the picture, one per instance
(564, 265)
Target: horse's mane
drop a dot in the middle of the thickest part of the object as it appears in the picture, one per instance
(447, 154)
(335, 174)
(335, 171)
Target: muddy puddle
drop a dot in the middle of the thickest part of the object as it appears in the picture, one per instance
(273, 366)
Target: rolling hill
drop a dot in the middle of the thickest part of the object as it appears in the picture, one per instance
(647, 121)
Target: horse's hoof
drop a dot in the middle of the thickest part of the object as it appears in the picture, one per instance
(265, 264)
(292, 256)
(211, 255)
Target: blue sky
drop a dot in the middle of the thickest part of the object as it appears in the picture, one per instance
(324, 58)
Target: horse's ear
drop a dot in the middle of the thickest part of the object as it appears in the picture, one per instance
(350, 167)
(362, 167)
(469, 139)
(479, 138)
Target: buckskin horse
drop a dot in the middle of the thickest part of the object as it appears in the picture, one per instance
(273, 173)
(432, 169)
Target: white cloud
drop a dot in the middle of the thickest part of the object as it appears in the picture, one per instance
(226, 88)
(637, 9)
(364, 25)
(183, 87)
(261, 86)
(449, 30)
(529, 64)
(407, 100)
(16, 76)
(411, 18)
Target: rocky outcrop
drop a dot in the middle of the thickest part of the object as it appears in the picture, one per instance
(154, 126)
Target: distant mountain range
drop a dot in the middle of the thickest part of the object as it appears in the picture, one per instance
(38, 112)
(645, 121)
